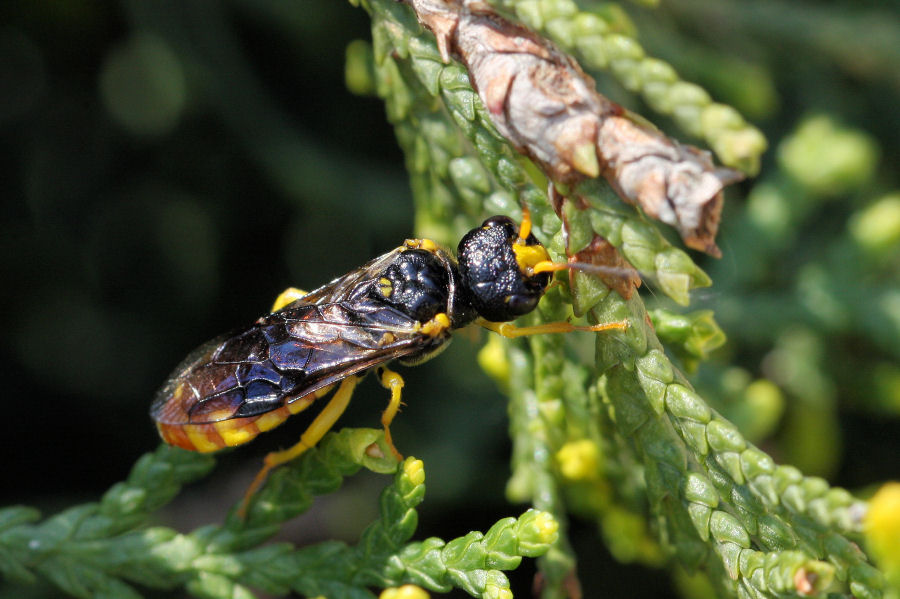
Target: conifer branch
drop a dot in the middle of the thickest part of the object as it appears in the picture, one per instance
(717, 502)
(103, 549)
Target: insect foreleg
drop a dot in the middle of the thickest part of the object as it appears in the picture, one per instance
(511, 331)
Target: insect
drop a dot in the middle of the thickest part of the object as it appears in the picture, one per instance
(401, 306)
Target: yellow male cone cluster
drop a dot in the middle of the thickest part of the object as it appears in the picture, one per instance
(407, 591)
(882, 527)
(579, 460)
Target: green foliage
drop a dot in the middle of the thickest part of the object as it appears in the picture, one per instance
(94, 550)
(719, 503)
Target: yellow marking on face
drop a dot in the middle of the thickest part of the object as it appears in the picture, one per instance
(270, 420)
(236, 432)
(528, 256)
(200, 440)
(436, 326)
(385, 286)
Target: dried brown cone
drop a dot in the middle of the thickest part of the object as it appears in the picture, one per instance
(541, 101)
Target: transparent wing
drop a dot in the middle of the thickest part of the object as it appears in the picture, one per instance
(333, 332)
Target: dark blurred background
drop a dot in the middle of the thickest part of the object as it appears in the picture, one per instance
(168, 167)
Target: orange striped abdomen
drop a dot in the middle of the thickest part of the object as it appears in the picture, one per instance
(213, 436)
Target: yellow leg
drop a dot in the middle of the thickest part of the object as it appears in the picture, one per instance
(525, 225)
(393, 381)
(511, 331)
(321, 425)
(289, 295)
(550, 266)
(435, 326)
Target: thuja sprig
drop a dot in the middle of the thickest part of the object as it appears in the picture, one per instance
(538, 434)
(563, 456)
(474, 562)
(683, 441)
(710, 493)
(101, 549)
(601, 44)
(721, 444)
(691, 337)
(93, 549)
(329, 568)
(289, 490)
(85, 549)
(764, 544)
(382, 558)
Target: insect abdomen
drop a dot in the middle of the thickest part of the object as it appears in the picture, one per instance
(213, 436)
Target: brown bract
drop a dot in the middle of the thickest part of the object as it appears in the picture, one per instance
(549, 109)
(615, 271)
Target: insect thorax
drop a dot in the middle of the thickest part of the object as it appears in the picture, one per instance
(423, 283)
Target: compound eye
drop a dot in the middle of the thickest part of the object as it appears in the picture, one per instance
(522, 304)
(497, 221)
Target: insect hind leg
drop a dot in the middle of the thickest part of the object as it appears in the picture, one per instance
(312, 435)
